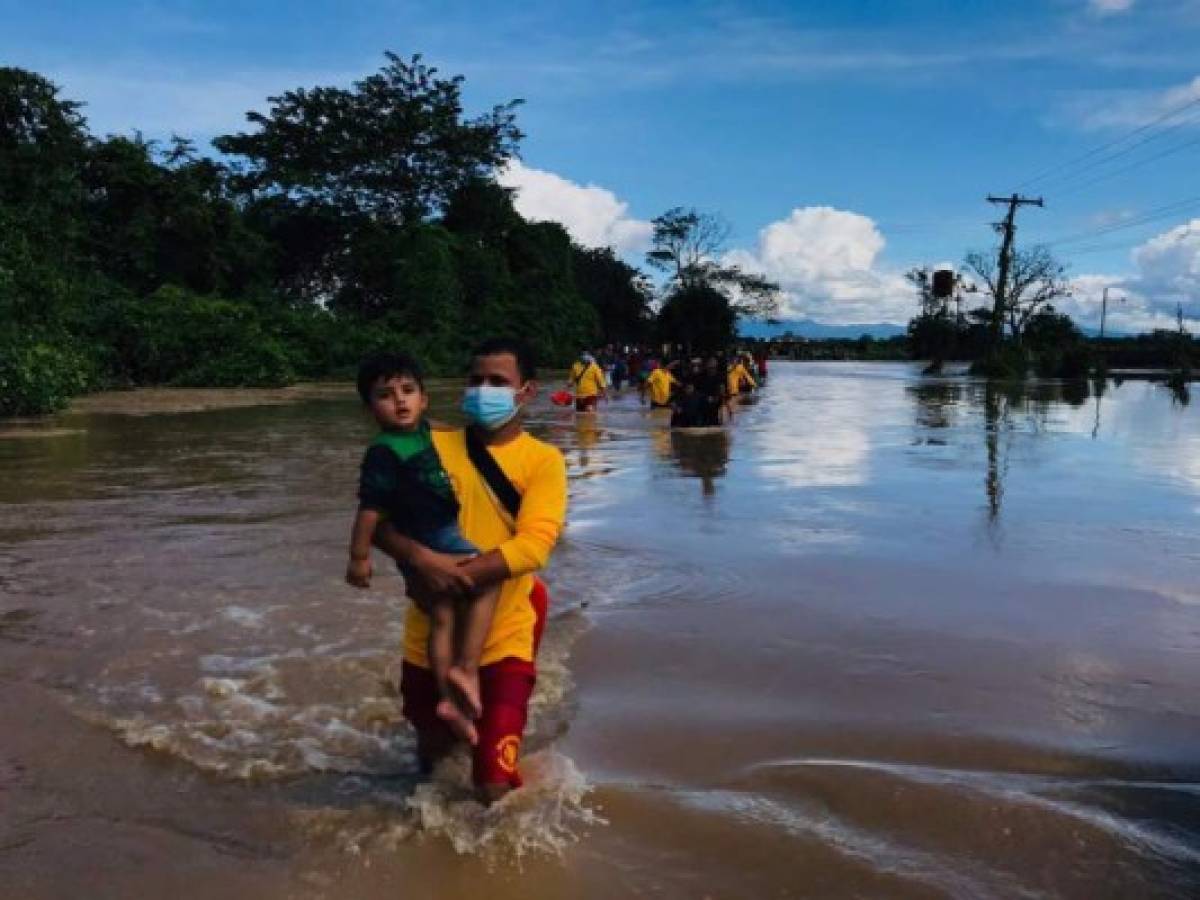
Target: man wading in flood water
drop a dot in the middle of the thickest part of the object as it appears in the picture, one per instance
(512, 494)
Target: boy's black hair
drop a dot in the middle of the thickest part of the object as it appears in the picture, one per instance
(517, 347)
(386, 366)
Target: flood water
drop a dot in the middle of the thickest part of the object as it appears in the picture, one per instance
(888, 636)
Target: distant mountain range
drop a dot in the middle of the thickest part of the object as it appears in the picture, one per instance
(819, 330)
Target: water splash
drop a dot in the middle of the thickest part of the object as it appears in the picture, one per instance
(542, 819)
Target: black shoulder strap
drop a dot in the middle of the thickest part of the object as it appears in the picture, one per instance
(483, 460)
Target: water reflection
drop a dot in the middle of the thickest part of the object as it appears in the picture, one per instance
(936, 406)
(996, 413)
(816, 433)
(1008, 412)
(1180, 392)
(703, 455)
(587, 436)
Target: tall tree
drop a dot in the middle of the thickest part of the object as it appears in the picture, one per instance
(43, 139)
(686, 245)
(394, 147)
(1035, 280)
(618, 292)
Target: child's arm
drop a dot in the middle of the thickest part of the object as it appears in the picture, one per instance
(358, 568)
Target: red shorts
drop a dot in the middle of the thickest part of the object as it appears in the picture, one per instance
(586, 404)
(504, 688)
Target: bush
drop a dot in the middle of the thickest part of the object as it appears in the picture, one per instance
(253, 362)
(176, 337)
(1010, 361)
(40, 375)
(1075, 363)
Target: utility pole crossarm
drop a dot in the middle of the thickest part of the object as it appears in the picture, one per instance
(1017, 199)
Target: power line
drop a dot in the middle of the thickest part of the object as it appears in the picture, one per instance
(1126, 244)
(1171, 113)
(1151, 215)
(1070, 192)
(1124, 151)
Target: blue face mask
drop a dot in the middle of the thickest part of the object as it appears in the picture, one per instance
(489, 405)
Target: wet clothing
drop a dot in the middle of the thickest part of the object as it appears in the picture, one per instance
(619, 373)
(587, 380)
(504, 690)
(738, 378)
(539, 473)
(761, 362)
(659, 384)
(402, 477)
(709, 387)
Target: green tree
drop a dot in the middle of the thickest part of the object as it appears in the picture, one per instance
(685, 245)
(619, 293)
(394, 147)
(699, 317)
(43, 139)
(483, 211)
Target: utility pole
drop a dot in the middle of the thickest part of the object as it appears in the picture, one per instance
(1007, 227)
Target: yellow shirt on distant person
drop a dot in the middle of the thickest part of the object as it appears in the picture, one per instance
(659, 384)
(539, 473)
(588, 380)
(737, 375)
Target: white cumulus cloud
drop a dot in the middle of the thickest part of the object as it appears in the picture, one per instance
(593, 216)
(826, 261)
(1170, 262)
(1167, 273)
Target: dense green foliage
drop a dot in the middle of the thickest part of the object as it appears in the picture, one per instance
(347, 221)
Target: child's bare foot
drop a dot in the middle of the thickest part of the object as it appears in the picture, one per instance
(466, 685)
(459, 723)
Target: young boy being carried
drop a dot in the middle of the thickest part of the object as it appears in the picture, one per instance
(402, 480)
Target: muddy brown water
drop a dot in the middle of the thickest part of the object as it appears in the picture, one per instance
(887, 637)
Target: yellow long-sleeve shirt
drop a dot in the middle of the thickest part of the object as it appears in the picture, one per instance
(539, 473)
(659, 384)
(738, 375)
(588, 380)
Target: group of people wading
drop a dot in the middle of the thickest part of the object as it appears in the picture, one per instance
(699, 390)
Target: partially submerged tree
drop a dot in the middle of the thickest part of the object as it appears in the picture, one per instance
(1035, 280)
(933, 332)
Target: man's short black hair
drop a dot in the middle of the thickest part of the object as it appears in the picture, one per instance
(517, 347)
(386, 366)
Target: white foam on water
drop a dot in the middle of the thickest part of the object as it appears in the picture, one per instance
(246, 727)
(542, 819)
(240, 722)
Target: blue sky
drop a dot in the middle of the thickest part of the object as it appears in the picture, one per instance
(844, 142)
